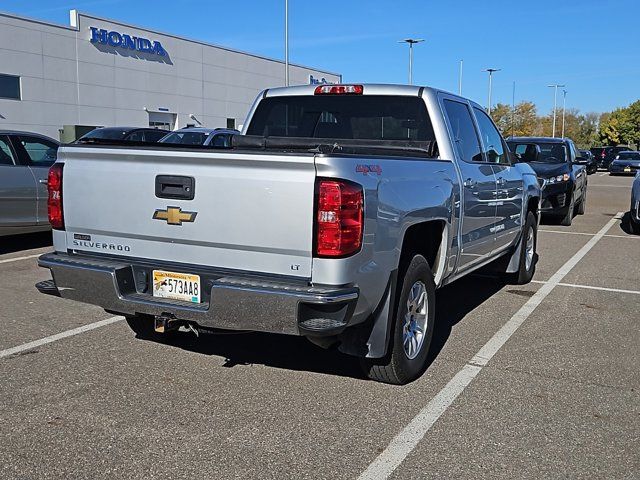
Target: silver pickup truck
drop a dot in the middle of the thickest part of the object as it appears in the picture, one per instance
(335, 216)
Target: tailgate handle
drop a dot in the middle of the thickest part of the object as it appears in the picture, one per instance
(175, 186)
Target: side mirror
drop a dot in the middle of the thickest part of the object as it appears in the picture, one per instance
(581, 160)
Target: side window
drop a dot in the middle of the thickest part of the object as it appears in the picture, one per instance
(39, 151)
(574, 154)
(6, 154)
(137, 136)
(221, 140)
(463, 130)
(153, 136)
(491, 139)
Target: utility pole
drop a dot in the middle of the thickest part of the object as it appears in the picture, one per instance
(491, 72)
(411, 42)
(513, 108)
(555, 105)
(286, 42)
(564, 104)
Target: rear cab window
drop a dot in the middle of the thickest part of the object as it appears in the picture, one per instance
(362, 117)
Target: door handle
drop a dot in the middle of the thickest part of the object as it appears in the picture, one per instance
(470, 183)
(43, 181)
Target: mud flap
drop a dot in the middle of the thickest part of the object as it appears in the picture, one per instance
(371, 339)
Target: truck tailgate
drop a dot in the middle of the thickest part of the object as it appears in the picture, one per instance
(254, 212)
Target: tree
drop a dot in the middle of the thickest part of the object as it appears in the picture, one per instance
(614, 127)
(501, 115)
(632, 130)
(522, 122)
(621, 126)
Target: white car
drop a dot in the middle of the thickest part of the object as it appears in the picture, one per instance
(218, 137)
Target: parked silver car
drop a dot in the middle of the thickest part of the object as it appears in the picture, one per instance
(634, 213)
(219, 137)
(25, 159)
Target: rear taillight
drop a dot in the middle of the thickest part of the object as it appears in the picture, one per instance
(339, 90)
(339, 218)
(54, 203)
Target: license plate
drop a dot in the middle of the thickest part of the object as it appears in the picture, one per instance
(627, 169)
(179, 286)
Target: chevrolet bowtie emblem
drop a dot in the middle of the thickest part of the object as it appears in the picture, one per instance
(174, 215)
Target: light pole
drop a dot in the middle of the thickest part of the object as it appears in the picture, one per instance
(513, 108)
(411, 42)
(286, 42)
(491, 72)
(460, 79)
(564, 104)
(555, 105)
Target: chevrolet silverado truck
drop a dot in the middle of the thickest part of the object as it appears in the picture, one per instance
(335, 215)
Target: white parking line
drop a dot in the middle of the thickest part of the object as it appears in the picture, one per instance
(15, 259)
(590, 287)
(608, 235)
(610, 186)
(630, 237)
(59, 336)
(405, 441)
(567, 233)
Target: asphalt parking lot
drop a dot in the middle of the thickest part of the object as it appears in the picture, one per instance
(532, 381)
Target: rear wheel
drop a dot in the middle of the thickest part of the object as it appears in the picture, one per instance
(527, 263)
(412, 328)
(634, 227)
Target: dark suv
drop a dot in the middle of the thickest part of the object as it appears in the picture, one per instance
(560, 167)
(124, 134)
(605, 155)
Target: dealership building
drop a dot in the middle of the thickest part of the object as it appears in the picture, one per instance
(99, 72)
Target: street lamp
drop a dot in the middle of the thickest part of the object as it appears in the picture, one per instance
(555, 104)
(411, 42)
(564, 104)
(491, 72)
(286, 42)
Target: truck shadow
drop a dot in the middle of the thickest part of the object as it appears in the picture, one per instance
(27, 241)
(454, 302)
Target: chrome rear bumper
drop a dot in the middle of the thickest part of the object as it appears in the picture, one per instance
(235, 302)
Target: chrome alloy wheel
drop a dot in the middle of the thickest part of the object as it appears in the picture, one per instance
(529, 249)
(415, 320)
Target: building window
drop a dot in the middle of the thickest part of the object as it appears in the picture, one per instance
(231, 123)
(9, 87)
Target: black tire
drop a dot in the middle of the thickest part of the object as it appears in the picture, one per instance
(583, 203)
(568, 218)
(396, 367)
(633, 226)
(525, 272)
(142, 325)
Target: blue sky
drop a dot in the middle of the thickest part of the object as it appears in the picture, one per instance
(591, 46)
